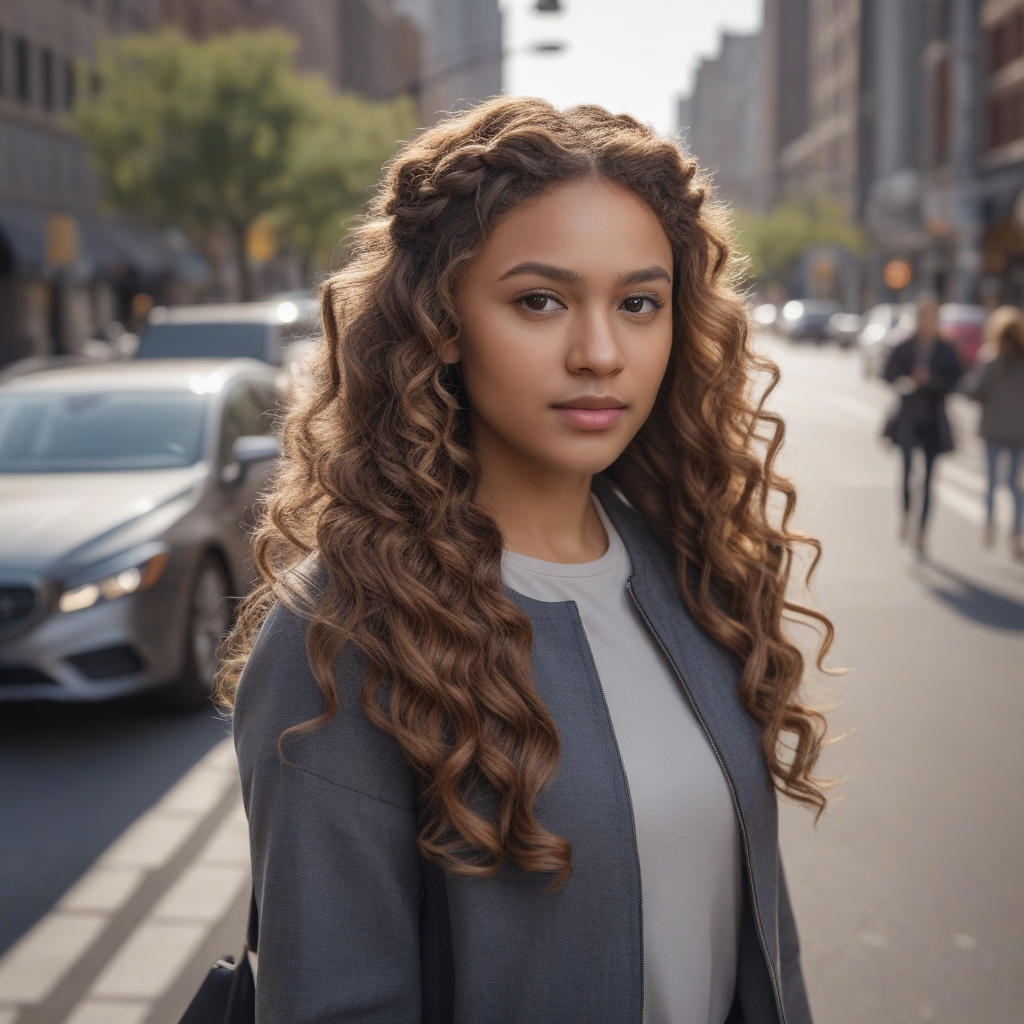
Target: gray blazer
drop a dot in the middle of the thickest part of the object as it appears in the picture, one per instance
(356, 926)
(999, 386)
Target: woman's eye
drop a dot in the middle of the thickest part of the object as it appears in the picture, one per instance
(639, 304)
(540, 303)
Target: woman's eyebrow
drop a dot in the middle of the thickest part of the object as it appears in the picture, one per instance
(642, 276)
(560, 274)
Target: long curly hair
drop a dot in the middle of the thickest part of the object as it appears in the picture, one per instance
(378, 477)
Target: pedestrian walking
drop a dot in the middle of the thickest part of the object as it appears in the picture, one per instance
(515, 693)
(999, 386)
(923, 369)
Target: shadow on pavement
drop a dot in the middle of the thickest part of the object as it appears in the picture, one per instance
(974, 602)
(72, 778)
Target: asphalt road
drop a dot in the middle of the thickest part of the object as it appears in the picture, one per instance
(908, 892)
(72, 778)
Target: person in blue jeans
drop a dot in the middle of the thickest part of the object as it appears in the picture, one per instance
(923, 369)
(999, 386)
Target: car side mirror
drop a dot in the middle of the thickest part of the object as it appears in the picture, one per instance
(248, 450)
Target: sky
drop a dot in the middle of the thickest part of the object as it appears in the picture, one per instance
(632, 56)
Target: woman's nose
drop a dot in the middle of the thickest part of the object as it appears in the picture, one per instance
(592, 348)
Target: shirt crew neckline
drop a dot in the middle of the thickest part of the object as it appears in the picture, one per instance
(574, 570)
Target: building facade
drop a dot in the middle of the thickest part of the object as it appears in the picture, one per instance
(784, 107)
(913, 115)
(720, 124)
(462, 52)
(824, 159)
(1001, 166)
(65, 271)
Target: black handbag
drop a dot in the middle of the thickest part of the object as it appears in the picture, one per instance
(228, 992)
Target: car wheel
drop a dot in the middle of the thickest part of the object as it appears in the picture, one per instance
(208, 622)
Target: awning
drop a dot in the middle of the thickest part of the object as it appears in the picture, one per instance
(109, 247)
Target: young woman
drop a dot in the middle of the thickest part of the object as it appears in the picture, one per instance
(924, 369)
(515, 682)
(999, 386)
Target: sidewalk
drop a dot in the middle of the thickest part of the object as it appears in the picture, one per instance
(130, 942)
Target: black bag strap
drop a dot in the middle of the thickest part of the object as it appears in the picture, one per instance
(241, 1008)
(252, 929)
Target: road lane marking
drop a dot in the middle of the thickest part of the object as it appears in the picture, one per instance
(230, 843)
(32, 967)
(150, 842)
(36, 964)
(149, 961)
(96, 1011)
(201, 893)
(104, 889)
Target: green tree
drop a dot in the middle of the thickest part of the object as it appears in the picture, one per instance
(211, 136)
(776, 241)
(333, 168)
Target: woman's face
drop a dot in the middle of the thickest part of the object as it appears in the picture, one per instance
(567, 329)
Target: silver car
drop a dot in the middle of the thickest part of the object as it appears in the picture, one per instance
(124, 493)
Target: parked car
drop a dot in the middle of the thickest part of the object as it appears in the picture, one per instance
(885, 326)
(124, 488)
(843, 328)
(961, 325)
(806, 318)
(252, 330)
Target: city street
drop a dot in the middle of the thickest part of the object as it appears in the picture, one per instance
(908, 891)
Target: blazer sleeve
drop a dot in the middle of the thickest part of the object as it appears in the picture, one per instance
(336, 872)
(794, 992)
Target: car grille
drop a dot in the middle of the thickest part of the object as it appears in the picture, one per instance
(16, 603)
(18, 676)
(107, 663)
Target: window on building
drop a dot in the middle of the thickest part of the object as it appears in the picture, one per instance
(70, 84)
(1005, 118)
(1005, 40)
(22, 71)
(47, 69)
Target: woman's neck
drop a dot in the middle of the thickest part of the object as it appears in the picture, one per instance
(541, 512)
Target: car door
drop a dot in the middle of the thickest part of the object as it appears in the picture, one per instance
(248, 410)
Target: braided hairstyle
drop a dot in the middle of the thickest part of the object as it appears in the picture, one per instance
(378, 480)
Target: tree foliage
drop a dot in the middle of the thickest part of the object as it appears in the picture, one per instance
(210, 136)
(776, 241)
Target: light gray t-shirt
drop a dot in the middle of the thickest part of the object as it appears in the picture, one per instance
(686, 828)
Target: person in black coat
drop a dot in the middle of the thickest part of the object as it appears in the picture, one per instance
(924, 369)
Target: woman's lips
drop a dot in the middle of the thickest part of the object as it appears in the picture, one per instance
(590, 419)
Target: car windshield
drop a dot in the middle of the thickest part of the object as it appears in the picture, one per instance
(192, 341)
(82, 433)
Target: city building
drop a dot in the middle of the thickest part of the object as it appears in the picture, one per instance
(462, 52)
(447, 53)
(1001, 166)
(720, 123)
(66, 272)
(784, 97)
(363, 46)
(824, 159)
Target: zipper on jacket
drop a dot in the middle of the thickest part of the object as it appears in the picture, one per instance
(629, 799)
(732, 792)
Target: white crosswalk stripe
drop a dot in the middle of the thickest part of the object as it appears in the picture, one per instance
(152, 955)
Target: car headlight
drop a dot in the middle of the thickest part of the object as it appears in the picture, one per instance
(117, 584)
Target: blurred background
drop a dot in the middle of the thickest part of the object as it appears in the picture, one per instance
(177, 176)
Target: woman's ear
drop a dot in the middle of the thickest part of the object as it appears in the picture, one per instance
(451, 353)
